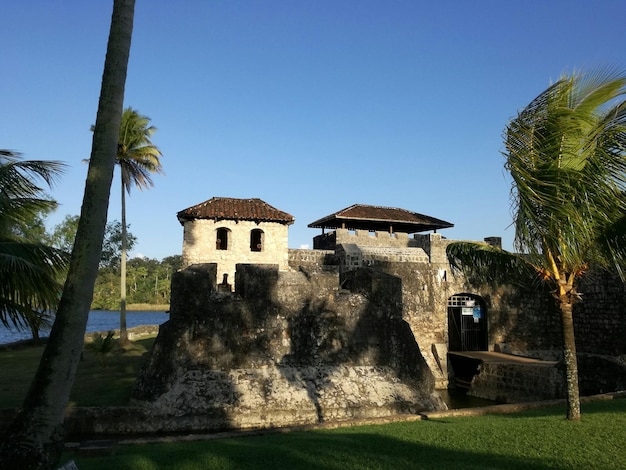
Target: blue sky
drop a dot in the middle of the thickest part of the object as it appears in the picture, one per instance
(311, 106)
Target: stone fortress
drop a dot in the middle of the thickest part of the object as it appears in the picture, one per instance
(360, 326)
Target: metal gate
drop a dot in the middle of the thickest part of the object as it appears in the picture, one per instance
(467, 323)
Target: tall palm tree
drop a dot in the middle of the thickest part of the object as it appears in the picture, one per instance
(34, 440)
(30, 271)
(138, 159)
(566, 153)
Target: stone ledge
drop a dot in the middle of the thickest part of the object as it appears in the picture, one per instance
(515, 407)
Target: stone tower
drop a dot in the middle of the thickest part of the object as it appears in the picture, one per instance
(229, 231)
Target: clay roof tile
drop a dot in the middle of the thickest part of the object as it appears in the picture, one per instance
(365, 217)
(227, 208)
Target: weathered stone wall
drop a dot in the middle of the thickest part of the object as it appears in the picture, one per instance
(361, 331)
(517, 383)
(323, 259)
(434, 245)
(600, 319)
(288, 348)
(356, 256)
(527, 321)
(200, 237)
(363, 238)
(522, 322)
(421, 297)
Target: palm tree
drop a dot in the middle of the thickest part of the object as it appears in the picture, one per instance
(138, 159)
(566, 153)
(30, 271)
(34, 439)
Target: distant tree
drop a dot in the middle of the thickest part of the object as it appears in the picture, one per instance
(149, 282)
(34, 439)
(173, 263)
(30, 270)
(63, 234)
(566, 153)
(112, 247)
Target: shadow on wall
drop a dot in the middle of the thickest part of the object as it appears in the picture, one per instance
(325, 336)
(217, 353)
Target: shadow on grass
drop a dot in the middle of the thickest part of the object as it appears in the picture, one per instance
(108, 381)
(337, 450)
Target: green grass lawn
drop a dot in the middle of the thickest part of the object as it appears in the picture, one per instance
(540, 439)
(100, 380)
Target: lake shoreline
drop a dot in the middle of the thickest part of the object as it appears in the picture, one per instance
(99, 321)
(143, 308)
(134, 333)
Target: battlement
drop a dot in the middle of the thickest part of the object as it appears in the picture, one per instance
(328, 241)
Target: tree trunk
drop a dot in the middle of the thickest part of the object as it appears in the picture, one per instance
(571, 364)
(123, 330)
(35, 438)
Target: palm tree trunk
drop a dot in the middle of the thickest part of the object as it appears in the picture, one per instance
(35, 438)
(571, 364)
(123, 330)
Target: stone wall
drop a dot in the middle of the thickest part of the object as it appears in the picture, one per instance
(357, 332)
(521, 321)
(325, 259)
(518, 383)
(200, 245)
(340, 236)
(600, 319)
(287, 348)
(434, 245)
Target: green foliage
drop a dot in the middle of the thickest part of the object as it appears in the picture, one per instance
(63, 234)
(30, 270)
(148, 280)
(112, 244)
(566, 153)
(136, 154)
(103, 346)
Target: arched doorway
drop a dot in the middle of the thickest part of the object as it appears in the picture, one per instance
(467, 323)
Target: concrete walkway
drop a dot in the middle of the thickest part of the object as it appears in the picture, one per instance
(490, 356)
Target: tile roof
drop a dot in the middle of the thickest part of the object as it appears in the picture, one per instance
(364, 217)
(228, 208)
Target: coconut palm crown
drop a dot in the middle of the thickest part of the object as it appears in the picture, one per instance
(137, 156)
(566, 154)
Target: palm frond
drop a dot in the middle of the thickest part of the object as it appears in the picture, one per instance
(613, 240)
(29, 272)
(29, 280)
(565, 153)
(137, 156)
(20, 195)
(483, 263)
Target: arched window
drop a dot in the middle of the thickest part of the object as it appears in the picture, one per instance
(256, 240)
(221, 241)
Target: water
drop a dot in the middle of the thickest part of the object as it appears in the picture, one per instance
(457, 398)
(99, 320)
